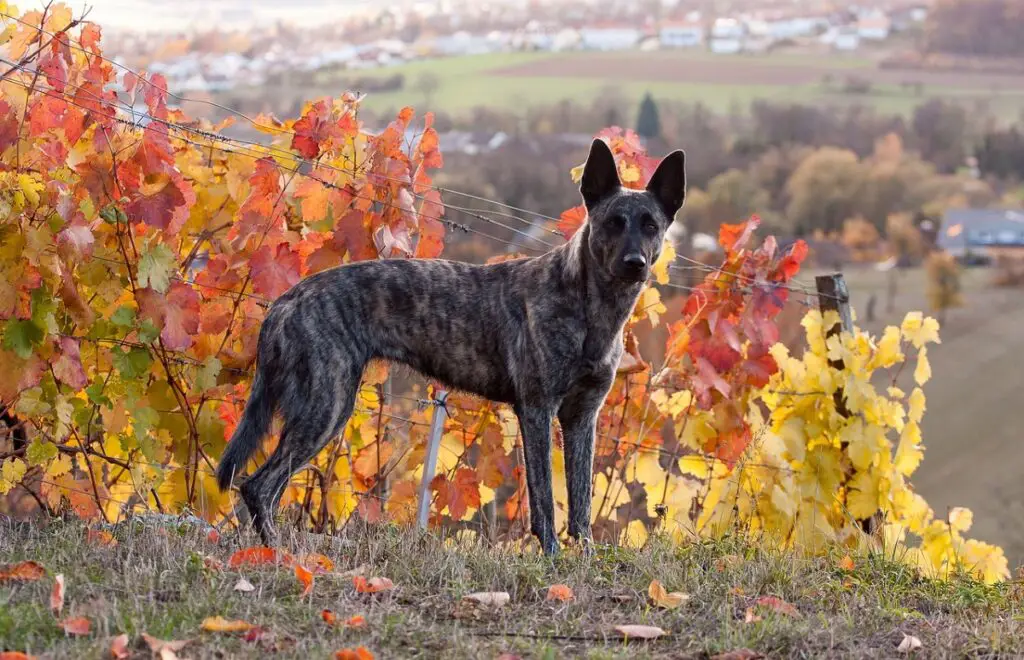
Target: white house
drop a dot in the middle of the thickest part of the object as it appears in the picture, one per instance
(609, 37)
(874, 27)
(846, 38)
(682, 34)
(727, 36)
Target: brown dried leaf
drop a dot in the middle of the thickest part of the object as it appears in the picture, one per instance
(633, 631)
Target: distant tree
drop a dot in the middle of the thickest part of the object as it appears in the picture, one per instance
(976, 28)
(943, 283)
(940, 131)
(648, 122)
(825, 190)
(427, 84)
(735, 196)
(1001, 154)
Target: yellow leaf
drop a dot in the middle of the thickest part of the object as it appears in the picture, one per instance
(846, 563)
(11, 474)
(220, 624)
(888, 352)
(923, 371)
(960, 518)
(560, 592)
(629, 174)
(663, 598)
(908, 453)
(577, 173)
(916, 407)
(665, 259)
(862, 500)
(920, 330)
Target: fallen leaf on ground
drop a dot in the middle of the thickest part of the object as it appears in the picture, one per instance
(663, 598)
(100, 537)
(779, 605)
(244, 585)
(738, 654)
(212, 564)
(909, 644)
(57, 595)
(77, 625)
(119, 647)
(632, 631)
(361, 569)
(15, 655)
(846, 563)
(491, 598)
(220, 624)
(560, 592)
(165, 649)
(373, 585)
(259, 557)
(329, 617)
(750, 617)
(305, 578)
(213, 536)
(257, 634)
(317, 563)
(356, 621)
(358, 653)
(26, 571)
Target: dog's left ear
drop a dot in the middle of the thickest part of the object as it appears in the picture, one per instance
(668, 183)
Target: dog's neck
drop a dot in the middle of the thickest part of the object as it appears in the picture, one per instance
(608, 299)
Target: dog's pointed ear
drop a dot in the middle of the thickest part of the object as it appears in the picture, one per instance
(600, 176)
(668, 183)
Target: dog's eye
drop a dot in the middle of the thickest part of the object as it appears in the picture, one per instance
(617, 222)
(649, 225)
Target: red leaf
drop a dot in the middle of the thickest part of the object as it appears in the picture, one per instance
(373, 585)
(353, 237)
(305, 577)
(358, 653)
(176, 313)
(75, 241)
(26, 571)
(261, 212)
(356, 621)
(90, 38)
(777, 604)
(259, 557)
(790, 264)
(734, 237)
(67, 366)
(459, 495)
(329, 617)
(57, 595)
(313, 129)
(214, 317)
(163, 202)
(119, 647)
(78, 625)
(571, 220)
(431, 236)
(274, 271)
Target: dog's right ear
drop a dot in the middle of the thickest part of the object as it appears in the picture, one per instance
(600, 176)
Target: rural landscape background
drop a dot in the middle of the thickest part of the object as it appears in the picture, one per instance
(887, 137)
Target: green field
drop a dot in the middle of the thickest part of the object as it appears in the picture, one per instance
(518, 80)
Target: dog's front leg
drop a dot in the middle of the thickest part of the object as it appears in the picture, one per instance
(535, 424)
(578, 417)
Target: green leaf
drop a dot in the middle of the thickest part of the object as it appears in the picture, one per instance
(111, 214)
(96, 395)
(156, 266)
(32, 403)
(207, 377)
(133, 363)
(124, 317)
(40, 452)
(148, 331)
(21, 337)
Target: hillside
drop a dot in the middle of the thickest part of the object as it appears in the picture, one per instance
(165, 581)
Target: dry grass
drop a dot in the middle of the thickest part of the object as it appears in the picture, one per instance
(156, 580)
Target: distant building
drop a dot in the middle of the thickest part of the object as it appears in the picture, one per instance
(727, 36)
(609, 37)
(973, 234)
(874, 27)
(846, 38)
(682, 34)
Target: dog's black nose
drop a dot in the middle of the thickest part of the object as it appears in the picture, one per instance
(634, 260)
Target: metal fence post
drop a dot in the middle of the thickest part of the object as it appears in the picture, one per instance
(430, 463)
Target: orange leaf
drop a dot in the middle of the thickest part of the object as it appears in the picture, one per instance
(78, 625)
(220, 624)
(779, 605)
(846, 563)
(560, 592)
(571, 220)
(57, 595)
(15, 655)
(100, 537)
(329, 617)
(119, 647)
(259, 557)
(373, 585)
(356, 621)
(663, 598)
(213, 536)
(317, 563)
(358, 653)
(304, 576)
(26, 571)
(165, 649)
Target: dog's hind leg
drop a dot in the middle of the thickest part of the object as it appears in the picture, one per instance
(307, 430)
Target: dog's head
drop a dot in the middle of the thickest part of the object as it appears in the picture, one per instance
(627, 227)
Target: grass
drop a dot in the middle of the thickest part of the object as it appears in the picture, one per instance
(157, 580)
(471, 81)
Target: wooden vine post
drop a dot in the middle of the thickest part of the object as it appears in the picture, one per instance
(834, 296)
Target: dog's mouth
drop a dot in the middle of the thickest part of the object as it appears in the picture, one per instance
(632, 275)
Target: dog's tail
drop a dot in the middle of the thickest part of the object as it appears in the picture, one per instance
(255, 423)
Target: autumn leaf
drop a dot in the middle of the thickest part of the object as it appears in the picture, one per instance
(846, 563)
(373, 585)
(78, 625)
(663, 598)
(100, 537)
(57, 595)
(356, 621)
(305, 578)
(635, 631)
(778, 605)
(274, 271)
(156, 266)
(259, 557)
(26, 571)
(119, 647)
(68, 365)
(213, 536)
(316, 562)
(489, 598)
(560, 592)
(329, 617)
(571, 220)
(358, 653)
(165, 649)
(244, 586)
(909, 644)
(220, 624)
